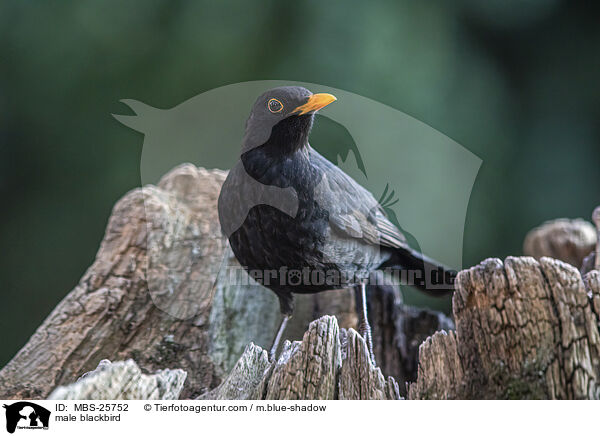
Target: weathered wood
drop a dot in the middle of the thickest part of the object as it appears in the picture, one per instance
(160, 292)
(157, 235)
(398, 331)
(246, 378)
(328, 364)
(564, 239)
(123, 381)
(524, 329)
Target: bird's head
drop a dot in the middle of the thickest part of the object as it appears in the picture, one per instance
(282, 118)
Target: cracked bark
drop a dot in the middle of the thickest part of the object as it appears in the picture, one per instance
(524, 329)
(160, 293)
(123, 381)
(327, 364)
(151, 296)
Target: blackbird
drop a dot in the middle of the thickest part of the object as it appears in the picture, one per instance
(298, 223)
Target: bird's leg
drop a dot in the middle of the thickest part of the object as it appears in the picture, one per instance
(278, 337)
(363, 321)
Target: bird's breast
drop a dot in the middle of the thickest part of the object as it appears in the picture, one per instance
(271, 238)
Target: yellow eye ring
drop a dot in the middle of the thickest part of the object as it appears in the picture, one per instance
(274, 105)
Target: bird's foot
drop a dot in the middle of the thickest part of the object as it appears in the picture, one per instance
(365, 332)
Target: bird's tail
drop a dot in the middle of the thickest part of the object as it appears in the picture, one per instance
(422, 272)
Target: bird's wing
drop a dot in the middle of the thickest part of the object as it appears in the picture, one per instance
(353, 211)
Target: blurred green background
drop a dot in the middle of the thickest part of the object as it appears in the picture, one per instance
(515, 82)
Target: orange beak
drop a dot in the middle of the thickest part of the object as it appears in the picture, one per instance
(314, 103)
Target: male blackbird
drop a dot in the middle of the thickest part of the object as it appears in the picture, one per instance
(298, 223)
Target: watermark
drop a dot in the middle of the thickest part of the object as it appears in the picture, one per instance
(421, 178)
(334, 278)
(25, 415)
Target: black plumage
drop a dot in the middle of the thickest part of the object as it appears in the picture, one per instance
(287, 209)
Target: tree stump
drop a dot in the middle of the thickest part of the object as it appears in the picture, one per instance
(158, 293)
(123, 381)
(159, 302)
(524, 329)
(564, 239)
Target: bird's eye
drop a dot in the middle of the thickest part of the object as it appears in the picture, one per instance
(275, 105)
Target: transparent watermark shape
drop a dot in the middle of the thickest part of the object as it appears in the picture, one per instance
(431, 175)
